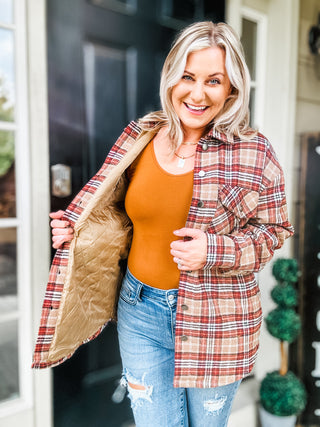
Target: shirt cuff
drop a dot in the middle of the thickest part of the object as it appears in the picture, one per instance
(221, 251)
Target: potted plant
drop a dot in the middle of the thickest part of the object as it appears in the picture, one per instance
(282, 394)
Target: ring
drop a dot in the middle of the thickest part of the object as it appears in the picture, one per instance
(179, 263)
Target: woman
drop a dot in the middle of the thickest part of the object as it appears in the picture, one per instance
(205, 194)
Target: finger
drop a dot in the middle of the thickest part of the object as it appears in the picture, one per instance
(59, 240)
(62, 239)
(177, 254)
(179, 245)
(179, 263)
(184, 268)
(62, 231)
(56, 215)
(56, 223)
(188, 232)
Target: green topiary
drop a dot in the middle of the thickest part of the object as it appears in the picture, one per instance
(286, 270)
(284, 324)
(282, 395)
(285, 295)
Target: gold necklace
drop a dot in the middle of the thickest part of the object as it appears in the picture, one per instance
(182, 159)
(189, 143)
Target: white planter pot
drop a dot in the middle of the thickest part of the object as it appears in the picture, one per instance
(270, 420)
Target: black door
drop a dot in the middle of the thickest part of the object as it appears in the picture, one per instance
(104, 62)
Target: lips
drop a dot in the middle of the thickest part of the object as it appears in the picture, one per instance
(196, 109)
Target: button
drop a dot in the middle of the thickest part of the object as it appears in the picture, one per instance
(200, 204)
(184, 338)
(202, 173)
(171, 297)
(205, 146)
(184, 307)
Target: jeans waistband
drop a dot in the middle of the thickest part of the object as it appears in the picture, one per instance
(149, 291)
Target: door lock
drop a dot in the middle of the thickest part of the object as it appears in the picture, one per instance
(61, 180)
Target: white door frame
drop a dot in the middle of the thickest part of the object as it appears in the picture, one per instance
(33, 408)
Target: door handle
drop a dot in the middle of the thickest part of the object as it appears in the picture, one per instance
(61, 180)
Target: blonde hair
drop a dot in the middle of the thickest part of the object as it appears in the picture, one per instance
(233, 119)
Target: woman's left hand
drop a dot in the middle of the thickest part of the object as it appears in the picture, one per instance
(191, 253)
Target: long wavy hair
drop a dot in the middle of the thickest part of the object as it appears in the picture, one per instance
(233, 119)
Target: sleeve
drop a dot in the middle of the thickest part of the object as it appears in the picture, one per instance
(248, 248)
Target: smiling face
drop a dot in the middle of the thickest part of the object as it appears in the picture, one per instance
(202, 91)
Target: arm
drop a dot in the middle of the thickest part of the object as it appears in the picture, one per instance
(249, 248)
(261, 229)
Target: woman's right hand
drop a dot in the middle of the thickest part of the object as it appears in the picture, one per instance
(61, 229)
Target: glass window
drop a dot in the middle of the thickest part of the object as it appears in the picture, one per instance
(8, 268)
(15, 378)
(249, 41)
(9, 366)
(6, 11)
(7, 175)
(6, 75)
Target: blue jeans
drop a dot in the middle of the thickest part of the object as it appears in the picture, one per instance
(146, 327)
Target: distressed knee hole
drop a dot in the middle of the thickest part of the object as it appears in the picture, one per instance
(136, 386)
(214, 406)
(138, 390)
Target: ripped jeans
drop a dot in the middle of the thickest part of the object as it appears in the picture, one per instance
(146, 322)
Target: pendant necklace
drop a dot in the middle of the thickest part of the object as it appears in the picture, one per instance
(182, 159)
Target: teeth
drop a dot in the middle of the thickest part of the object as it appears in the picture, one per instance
(192, 107)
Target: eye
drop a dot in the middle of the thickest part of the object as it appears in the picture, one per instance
(186, 77)
(214, 81)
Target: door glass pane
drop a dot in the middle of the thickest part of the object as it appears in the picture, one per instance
(101, 61)
(249, 41)
(6, 11)
(9, 368)
(8, 275)
(7, 175)
(6, 75)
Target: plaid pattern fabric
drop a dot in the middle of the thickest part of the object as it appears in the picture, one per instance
(239, 201)
(58, 271)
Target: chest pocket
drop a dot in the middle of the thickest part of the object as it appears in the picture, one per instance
(236, 205)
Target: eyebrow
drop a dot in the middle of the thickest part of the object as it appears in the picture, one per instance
(210, 75)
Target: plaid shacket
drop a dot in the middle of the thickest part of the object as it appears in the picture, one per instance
(239, 201)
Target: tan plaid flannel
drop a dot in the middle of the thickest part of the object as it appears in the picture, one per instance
(239, 201)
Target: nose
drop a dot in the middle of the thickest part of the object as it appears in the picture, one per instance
(197, 93)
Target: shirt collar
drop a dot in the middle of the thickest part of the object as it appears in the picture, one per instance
(213, 134)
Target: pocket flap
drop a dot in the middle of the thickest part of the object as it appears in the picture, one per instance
(241, 201)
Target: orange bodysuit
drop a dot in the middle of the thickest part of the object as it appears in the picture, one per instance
(157, 203)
